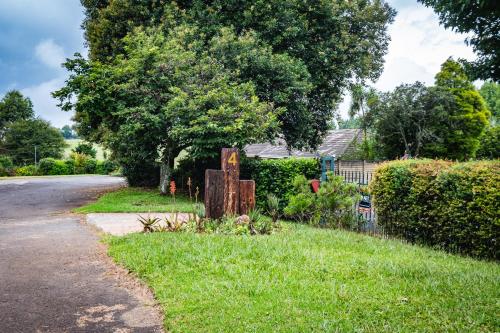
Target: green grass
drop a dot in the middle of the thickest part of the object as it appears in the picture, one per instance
(131, 200)
(311, 280)
(72, 143)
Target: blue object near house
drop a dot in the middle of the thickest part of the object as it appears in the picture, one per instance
(327, 165)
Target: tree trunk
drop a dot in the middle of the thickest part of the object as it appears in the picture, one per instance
(166, 168)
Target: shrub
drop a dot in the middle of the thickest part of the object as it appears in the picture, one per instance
(332, 206)
(83, 163)
(489, 147)
(106, 167)
(86, 149)
(453, 206)
(90, 166)
(45, 165)
(6, 166)
(142, 174)
(28, 170)
(276, 176)
(50, 166)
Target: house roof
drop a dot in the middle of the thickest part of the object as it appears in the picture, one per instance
(335, 143)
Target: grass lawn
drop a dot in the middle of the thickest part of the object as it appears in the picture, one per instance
(132, 200)
(310, 280)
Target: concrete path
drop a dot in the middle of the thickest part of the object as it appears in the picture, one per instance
(119, 224)
(54, 274)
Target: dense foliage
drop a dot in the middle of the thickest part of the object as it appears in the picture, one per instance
(21, 138)
(202, 75)
(480, 20)
(331, 206)
(13, 107)
(86, 149)
(446, 120)
(276, 176)
(162, 98)
(491, 94)
(6, 166)
(77, 165)
(453, 206)
(489, 147)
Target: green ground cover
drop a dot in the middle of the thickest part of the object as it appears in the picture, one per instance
(310, 280)
(131, 200)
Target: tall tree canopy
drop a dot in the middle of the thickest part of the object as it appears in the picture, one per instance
(161, 97)
(446, 121)
(14, 106)
(22, 136)
(491, 94)
(468, 119)
(482, 19)
(259, 63)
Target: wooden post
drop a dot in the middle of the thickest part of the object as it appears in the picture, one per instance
(247, 196)
(214, 193)
(230, 162)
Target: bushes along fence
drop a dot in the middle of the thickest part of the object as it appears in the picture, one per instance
(453, 206)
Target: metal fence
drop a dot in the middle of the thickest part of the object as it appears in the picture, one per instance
(363, 210)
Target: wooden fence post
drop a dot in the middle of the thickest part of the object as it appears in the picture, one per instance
(230, 162)
(247, 196)
(214, 193)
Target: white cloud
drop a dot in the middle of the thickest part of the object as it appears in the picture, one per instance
(45, 106)
(50, 53)
(418, 47)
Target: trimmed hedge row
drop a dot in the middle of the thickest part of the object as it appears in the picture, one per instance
(50, 166)
(453, 206)
(277, 175)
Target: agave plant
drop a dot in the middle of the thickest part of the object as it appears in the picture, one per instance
(173, 224)
(148, 223)
(273, 207)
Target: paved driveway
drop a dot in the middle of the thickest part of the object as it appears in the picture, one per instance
(54, 276)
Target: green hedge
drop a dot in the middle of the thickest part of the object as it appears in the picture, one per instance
(276, 176)
(453, 206)
(52, 167)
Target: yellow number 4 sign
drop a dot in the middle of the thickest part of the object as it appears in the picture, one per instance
(232, 159)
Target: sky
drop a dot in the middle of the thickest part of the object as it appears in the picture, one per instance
(37, 35)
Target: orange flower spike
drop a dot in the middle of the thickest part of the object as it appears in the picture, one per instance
(172, 187)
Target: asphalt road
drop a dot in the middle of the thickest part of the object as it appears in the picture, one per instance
(54, 276)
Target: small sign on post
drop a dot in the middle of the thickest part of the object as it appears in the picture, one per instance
(230, 162)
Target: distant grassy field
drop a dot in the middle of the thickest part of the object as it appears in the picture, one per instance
(131, 200)
(310, 280)
(72, 143)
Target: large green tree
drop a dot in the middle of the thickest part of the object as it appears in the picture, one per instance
(14, 106)
(491, 94)
(163, 96)
(300, 55)
(446, 121)
(407, 120)
(468, 119)
(480, 19)
(22, 137)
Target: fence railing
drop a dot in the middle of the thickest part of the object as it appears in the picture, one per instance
(363, 210)
(358, 177)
